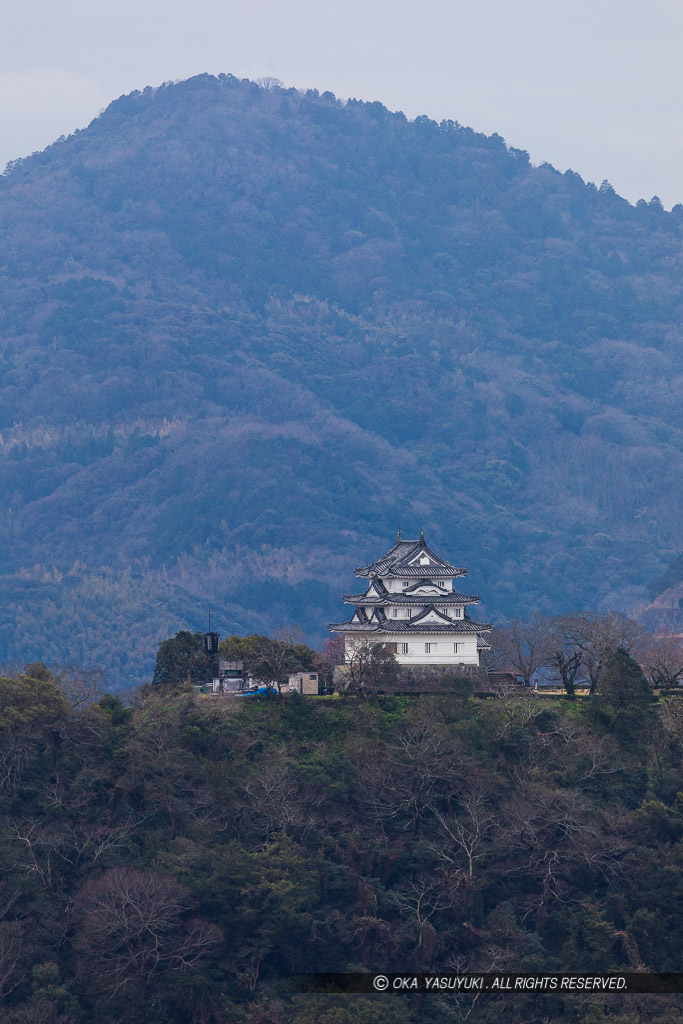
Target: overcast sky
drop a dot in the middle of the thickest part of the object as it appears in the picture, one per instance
(590, 84)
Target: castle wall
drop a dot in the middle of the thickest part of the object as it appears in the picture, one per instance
(425, 679)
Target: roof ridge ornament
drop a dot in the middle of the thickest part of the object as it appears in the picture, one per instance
(422, 536)
(399, 534)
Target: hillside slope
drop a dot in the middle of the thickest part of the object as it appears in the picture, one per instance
(245, 333)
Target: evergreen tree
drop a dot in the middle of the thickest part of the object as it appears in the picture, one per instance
(627, 699)
(623, 683)
(181, 659)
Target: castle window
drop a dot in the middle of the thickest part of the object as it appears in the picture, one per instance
(430, 648)
(403, 648)
(395, 612)
(455, 648)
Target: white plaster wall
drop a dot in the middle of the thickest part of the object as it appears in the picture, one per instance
(395, 586)
(444, 654)
(403, 612)
(417, 609)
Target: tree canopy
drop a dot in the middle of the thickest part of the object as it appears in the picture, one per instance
(181, 659)
(180, 859)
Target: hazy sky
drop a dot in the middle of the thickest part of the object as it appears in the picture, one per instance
(595, 85)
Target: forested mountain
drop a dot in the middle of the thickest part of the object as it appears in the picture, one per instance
(246, 332)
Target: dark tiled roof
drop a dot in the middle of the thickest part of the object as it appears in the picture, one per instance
(461, 626)
(384, 568)
(450, 597)
(395, 562)
(424, 582)
(411, 626)
(353, 627)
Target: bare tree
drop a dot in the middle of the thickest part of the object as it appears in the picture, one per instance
(16, 753)
(377, 791)
(495, 657)
(519, 707)
(273, 658)
(371, 667)
(270, 84)
(11, 943)
(662, 661)
(11, 669)
(425, 895)
(546, 835)
(568, 663)
(81, 686)
(85, 840)
(33, 851)
(466, 833)
(133, 926)
(275, 802)
(40, 849)
(594, 636)
(402, 785)
(329, 657)
(524, 645)
(270, 659)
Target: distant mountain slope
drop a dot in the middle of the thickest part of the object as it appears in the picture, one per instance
(665, 613)
(245, 333)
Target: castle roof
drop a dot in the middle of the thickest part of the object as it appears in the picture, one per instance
(430, 621)
(377, 595)
(411, 558)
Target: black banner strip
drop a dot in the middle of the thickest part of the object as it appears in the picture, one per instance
(497, 984)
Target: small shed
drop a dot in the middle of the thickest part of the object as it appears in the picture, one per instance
(305, 683)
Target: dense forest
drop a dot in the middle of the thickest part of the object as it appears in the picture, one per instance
(177, 860)
(245, 332)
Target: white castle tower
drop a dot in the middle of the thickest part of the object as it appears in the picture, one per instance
(410, 606)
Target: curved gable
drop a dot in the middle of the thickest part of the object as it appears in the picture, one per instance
(430, 616)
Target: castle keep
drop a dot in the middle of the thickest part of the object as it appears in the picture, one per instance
(411, 607)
